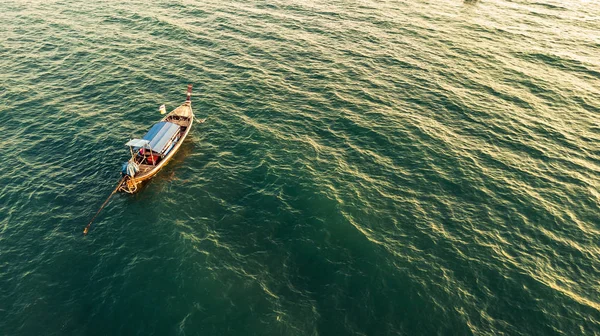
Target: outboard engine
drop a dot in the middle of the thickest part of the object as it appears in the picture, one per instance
(130, 168)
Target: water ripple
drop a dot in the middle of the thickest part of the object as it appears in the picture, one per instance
(367, 168)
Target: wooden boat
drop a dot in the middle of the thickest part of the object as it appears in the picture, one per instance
(154, 150)
(158, 146)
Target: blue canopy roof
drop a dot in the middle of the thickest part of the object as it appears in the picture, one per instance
(160, 135)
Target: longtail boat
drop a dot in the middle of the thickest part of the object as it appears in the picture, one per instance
(152, 152)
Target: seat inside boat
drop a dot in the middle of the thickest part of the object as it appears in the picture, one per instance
(146, 156)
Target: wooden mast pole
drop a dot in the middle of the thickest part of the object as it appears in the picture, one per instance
(87, 228)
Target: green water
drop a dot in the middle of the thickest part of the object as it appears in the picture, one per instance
(366, 168)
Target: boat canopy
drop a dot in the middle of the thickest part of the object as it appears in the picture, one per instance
(160, 135)
(137, 143)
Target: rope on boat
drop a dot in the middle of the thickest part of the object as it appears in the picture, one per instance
(87, 228)
(129, 185)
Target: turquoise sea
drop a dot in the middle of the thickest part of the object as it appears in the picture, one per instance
(366, 168)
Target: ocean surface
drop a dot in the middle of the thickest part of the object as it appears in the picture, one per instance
(366, 168)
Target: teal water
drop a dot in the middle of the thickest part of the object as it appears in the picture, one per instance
(366, 168)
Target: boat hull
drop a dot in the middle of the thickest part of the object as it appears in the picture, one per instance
(184, 117)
